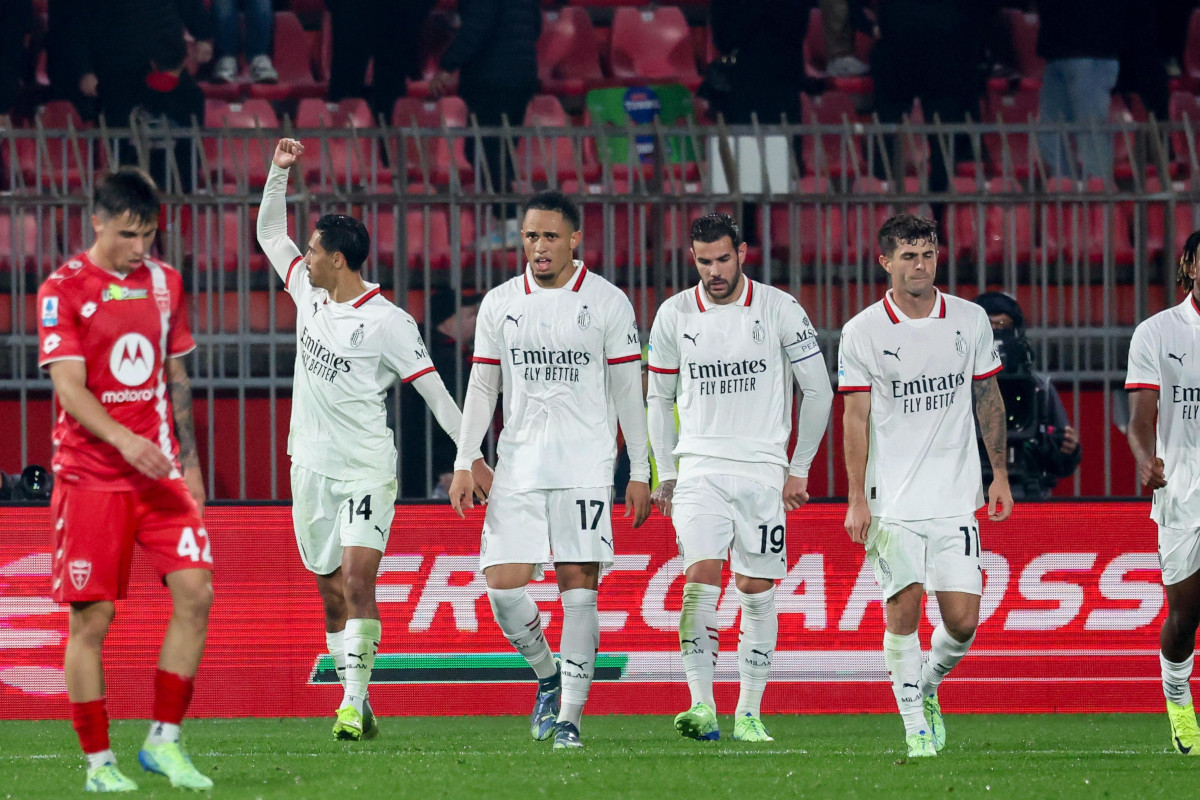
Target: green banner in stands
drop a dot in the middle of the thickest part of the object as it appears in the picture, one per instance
(621, 106)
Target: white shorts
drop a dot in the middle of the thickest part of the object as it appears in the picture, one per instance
(940, 554)
(538, 526)
(1178, 553)
(328, 515)
(729, 517)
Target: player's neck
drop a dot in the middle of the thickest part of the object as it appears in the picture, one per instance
(914, 306)
(349, 287)
(559, 280)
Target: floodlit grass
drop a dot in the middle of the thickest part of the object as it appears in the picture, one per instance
(1069, 756)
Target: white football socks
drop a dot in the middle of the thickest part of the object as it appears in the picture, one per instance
(162, 733)
(580, 642)
(519, 621)
(902, 655)
(361, 642)
(944, 653)
(760, 630)
(1176, 679)
(699, 640)
(337, 651)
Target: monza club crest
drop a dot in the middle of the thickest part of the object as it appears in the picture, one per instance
(80, 571)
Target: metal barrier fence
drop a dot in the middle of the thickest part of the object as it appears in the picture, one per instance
(1086, 259)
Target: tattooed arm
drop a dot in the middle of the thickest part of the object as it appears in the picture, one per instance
(989, 412)
(185, 429)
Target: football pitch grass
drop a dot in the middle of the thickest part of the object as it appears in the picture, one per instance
(1018, 756)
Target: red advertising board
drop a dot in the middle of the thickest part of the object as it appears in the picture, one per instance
(1071, 612)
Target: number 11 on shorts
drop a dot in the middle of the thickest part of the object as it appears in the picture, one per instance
(967, 532)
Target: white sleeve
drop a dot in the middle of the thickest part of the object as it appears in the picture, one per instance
(625, 386)
(272, 226)
(813, 419)
(799, 340)
(661, 421)
(987, 355)
(478, 407)
(1143, 371)
(444, 409)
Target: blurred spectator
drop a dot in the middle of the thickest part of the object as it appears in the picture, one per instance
(1082, 41)
(260, 22)
(948, 78)
(171, 100)
(763, 43)
(451, 338)
(837, 25)
(388, 31)
(495, 56)
(1042, 445)
(16, 19)
(107, 46)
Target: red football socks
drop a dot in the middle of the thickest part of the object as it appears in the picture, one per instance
(90, 721)
(172, 694)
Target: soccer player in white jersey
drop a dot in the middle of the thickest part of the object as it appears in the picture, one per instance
(351, 345)
(1164, 386)
(562, 344)
(729, 350)
(910, 367)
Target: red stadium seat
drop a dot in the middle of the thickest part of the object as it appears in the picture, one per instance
(626, 224)
(244, 159)
(1186, 219)
(1185, 149)
(1018, 108)
(1024, 30)
(1007, 228)
(427, 230)
(346, 157)
(542, 155)
(652, 45)
(292, 56)
(66, 158)
(19, 240)
(808, 233)
(1081, 230)
(568, 58)
(215, 239)
(432, 160)
(832, 155)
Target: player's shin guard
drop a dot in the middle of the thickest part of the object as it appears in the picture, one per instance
(1175, 679)
(337, 651)
(519, 621)
(361, 642)
(944, 654)
(699, 640)
(580, 641)
(760, 629)
(902, 655)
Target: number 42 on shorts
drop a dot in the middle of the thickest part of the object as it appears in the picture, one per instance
(189, 547)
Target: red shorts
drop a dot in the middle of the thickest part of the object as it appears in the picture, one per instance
(94, 533)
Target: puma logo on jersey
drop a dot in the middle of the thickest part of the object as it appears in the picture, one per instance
(381, 530)
(1177, 358)
(691, 337)
(606, 541)
(894, 354)
(514, 320)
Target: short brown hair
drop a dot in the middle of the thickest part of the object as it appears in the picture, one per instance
(906, 229)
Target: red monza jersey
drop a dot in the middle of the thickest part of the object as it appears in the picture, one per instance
(123, 329)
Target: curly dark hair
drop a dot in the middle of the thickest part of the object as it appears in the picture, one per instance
(906, 229)
(1186, 260)
(716, 226)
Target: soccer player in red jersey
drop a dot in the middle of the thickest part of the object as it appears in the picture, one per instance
(112, 334)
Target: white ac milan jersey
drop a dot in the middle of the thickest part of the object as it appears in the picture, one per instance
(347, 355)
(1164, 355)
(923, 460)
(734, 363)
(554, 348)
